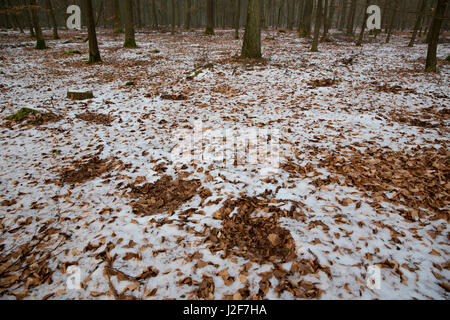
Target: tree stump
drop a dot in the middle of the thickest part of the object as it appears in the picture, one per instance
(79, 95)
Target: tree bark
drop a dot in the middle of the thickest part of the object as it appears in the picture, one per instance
(363, 25)
(317, 25)
(130, 41)
(40, 41)
(290, 14)
(187, 21)
(154, 15)
(172, 16)
(391, 24)
(53, 19)
(94, 53)
(237, 17)
(420, 15)
(304, 27)
(351, 18)
(209, 17)
(434, 37)
(251, 47)
(117, 19)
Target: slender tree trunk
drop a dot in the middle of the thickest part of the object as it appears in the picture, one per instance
(154, 15)
(237, 17)
(343, 15)
(40, 41)
(363, 25)
(15, 17)
(94, 53)
(391, 24)
(187, 21)
(290, 14)
(304, 27)
(138, 14)
(251, 47)
(431, 63)
(53, 19)
(325, 20)
(420, 15)
(130, 41)
(317, 25)
(209, 17)
(28, 17)
(172, 16)
(351, 18)
(117, 19)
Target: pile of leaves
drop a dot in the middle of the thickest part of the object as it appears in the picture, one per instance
(166, 194)
(97, 118)
(175, 97)
(417, 179)
(32, 117)
(259, 239)
(322, 83)
(87, 169)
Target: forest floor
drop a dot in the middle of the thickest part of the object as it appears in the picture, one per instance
(363, 177)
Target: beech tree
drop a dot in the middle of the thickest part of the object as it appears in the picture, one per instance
(187, 22)
(236, 17)
(53, 19)
(435, 29)
(130, 42)
(251, 47)
(209, 17)
(40, 41)
(117, 19)
(317, 25)
(304, 27)
(94, 53)
(363, 25)
(419, 19)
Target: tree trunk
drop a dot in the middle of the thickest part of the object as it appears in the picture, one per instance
(15, 17)
(237, 17)
(434, 37)
(117, 19)
(304, 27)
(40, 41)
(53, 19)
(391, 24)
(187, 21)
(290, 14)
(325, 20)
(420, 15)
(28, 17)
(363, 25)
(343, 15)
(94, 53)
(172, 16)
(317, 25)
(209, 17)
(138, 14)
(351, 18)
(130, 42)
(251, 47)
(154, 15)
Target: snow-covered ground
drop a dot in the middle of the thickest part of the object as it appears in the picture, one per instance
(339, 228)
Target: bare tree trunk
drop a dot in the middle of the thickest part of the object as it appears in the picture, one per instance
(351, 18)
(304, 27)
(434, 38)
(290, 15)
(154, 15)
(363, 26)
(209, 17)
(53, 19)
(391, 25)
(325, 20)
(251, 47)
(317, 25)
(117, 20)
(237, 17)
(420, 15)
(172, 16)
(14, 16)
(28, 17)
(187, 21)
(138, 14)
(40, 41)
(94, 53)
(343, 15)
(130, 41)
